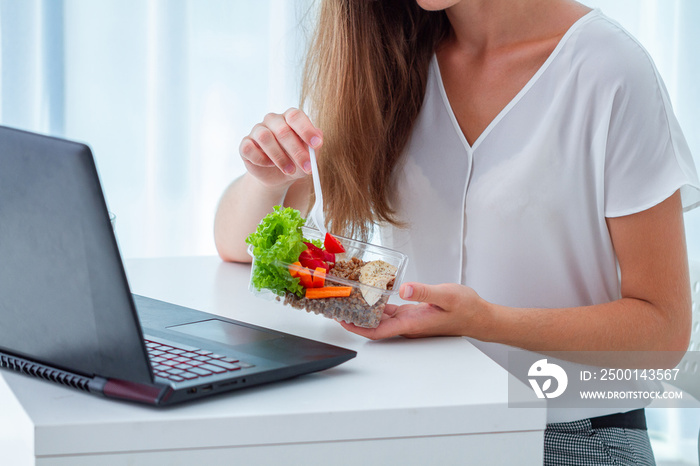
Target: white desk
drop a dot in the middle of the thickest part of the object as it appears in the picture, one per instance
(409, 402)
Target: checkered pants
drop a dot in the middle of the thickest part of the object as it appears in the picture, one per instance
(576, 443)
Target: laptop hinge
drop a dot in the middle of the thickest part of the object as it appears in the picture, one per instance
(35, 369)
(150, 394)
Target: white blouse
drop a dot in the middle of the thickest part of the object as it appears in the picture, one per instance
(519, 216)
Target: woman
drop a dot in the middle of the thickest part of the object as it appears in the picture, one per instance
(518, 152)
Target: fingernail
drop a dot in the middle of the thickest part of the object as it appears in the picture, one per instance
(307, 167)
(407, 291)
(289, 169)
(315, 141)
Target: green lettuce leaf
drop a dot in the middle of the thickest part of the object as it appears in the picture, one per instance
(277, 241)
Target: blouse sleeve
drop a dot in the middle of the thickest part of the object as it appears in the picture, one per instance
(647, 157)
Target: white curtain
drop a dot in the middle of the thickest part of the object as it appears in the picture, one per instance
(162, 90)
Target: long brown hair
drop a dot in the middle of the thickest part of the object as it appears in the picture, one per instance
(364, 81)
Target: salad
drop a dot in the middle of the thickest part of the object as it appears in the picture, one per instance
(337, 277)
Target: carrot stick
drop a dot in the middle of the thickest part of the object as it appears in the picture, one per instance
(294, 269)
(305, 277)
(319, 277)
(328, 292)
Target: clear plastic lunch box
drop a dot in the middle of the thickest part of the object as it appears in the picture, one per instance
(353, 309)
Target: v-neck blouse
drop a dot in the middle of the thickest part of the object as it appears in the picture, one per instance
(520, 216)
(435, 69)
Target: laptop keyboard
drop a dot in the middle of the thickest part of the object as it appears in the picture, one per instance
(180, 363)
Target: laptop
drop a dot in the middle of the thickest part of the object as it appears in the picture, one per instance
(66, 311)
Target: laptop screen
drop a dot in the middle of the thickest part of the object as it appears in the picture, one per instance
(64, 299)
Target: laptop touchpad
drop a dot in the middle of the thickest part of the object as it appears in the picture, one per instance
(224, 332)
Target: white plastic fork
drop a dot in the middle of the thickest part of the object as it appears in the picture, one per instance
(316, 214)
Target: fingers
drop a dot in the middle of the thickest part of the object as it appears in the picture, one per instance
(388, 328)
(275, 139)
(446, 309)
(441, 295)
(281, 141)
(385, 329)
(252, 153)
(302, 126)
(390, 310)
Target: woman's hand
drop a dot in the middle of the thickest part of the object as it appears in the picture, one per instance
(276, 156)
(275, 152)
(447, 309)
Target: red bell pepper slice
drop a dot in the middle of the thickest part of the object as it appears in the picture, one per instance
(307, 259)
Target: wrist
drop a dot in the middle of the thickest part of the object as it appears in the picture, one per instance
(270, 191)
(265, 195)
(489, 321)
